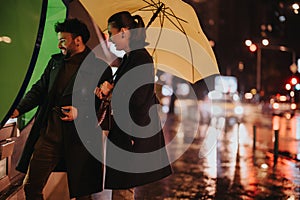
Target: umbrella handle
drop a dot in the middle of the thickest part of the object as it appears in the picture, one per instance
(155, 15)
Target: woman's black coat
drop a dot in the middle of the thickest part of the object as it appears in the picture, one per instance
(126, 171)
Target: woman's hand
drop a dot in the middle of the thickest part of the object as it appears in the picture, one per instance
(106, 87)
(70, 112)
(98, 93)
(103, 90)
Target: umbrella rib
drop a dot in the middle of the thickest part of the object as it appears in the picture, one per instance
(188, 41)
(168, 15)
(157, 5)
(144, 9)
(156, 43)
(165, 12)
(153, 4)
(157, 12)
(147, 8)
(179, 28)
(161, 20)
(162, 14)
(173, 15)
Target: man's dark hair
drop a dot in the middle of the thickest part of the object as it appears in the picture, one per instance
(75, 27)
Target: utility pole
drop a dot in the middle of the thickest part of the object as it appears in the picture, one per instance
(258, 48)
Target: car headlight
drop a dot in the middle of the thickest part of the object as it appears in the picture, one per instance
(239, 110)
(275, 105)
(217, 110)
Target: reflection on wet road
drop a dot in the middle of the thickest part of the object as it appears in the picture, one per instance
(221, 164)
(289, 132)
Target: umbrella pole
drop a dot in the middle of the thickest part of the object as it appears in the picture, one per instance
(155, 15)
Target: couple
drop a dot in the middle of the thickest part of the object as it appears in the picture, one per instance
(54, 143)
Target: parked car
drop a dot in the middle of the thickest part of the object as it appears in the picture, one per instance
(283, 105)
(225, 105)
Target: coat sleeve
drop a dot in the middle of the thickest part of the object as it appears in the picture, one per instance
(142, 99)
(106, 76)
(38, 92)
(145, 92)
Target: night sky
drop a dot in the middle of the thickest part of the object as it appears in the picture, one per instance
(229, 23)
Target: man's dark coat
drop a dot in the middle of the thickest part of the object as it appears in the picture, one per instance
(84, 171)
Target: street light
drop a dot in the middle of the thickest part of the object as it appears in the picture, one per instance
(294, 81)
(265, 45)
(295, 7)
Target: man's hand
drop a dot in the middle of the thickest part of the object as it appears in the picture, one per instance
(15, 114)
(70, 112)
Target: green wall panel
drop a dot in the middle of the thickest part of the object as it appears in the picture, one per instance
(21, 20)
(56, 11)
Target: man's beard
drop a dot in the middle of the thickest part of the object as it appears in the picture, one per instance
(66, 52)
(69, 51)
(63, 51)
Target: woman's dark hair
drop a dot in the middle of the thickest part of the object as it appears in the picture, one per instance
(125, 20)
(75, 27)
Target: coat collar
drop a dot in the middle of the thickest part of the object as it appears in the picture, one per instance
(59, 60)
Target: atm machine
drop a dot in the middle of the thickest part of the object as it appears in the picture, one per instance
(11, 145)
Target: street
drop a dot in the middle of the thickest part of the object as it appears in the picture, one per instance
(289, 131)
(217, 166)
(218, 162)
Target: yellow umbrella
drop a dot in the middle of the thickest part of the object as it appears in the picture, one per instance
(176, 40)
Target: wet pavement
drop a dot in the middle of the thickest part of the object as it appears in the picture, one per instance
(214, 162)
(226, 169)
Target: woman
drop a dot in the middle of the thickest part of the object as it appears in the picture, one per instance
(137, 133)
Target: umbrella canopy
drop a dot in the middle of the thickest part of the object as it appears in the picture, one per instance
(176, 40)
